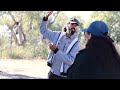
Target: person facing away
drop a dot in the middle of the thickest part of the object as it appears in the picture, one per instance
(60, 58)
(99, 59)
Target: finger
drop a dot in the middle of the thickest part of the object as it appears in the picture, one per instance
(50, 44)
(49, 13)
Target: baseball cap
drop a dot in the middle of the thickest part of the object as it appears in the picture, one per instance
(74, 20)
(97, 28)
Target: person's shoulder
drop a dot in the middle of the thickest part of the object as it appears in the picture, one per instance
(85, 56)
(81, 52)
(84, 52)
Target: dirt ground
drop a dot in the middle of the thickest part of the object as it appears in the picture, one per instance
(23, 69)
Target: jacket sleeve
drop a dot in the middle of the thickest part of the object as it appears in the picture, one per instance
(47, 33)
(70, 57)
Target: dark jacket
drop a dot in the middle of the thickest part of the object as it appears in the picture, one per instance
(88, 65)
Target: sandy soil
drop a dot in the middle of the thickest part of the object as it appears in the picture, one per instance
(23, 69)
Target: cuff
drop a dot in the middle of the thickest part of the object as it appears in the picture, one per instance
(45, 19)
(56, 50)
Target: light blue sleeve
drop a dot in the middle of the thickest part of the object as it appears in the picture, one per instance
(70, 57)
(47, 33)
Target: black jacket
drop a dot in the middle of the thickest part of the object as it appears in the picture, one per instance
(88, 65)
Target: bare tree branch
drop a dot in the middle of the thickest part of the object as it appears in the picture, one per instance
(10, 13)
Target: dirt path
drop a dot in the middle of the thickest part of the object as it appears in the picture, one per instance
(23, 69)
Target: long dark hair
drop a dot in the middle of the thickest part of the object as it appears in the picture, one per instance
(103, 49)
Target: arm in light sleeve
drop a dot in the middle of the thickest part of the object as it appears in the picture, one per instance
(70, 57)
(47, 33)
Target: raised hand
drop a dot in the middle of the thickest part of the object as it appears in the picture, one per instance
(48, 14)
(52, 47)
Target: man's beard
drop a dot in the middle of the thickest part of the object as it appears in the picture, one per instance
(70, 31)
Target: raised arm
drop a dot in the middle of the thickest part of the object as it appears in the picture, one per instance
(47, 33)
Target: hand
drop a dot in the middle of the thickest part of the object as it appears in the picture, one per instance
(48, 14)
(52, 47)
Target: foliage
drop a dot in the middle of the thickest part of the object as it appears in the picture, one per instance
(30, 25)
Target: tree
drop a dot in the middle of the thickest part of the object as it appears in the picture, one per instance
(16, 29)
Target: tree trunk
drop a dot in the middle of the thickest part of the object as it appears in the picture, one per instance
(29, 25)
(17, 33)
(21, 35)
(13, 35)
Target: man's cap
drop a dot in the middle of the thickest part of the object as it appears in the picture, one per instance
(97, 28)
(74, 20)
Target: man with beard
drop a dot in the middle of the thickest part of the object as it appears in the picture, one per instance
(63, 48)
